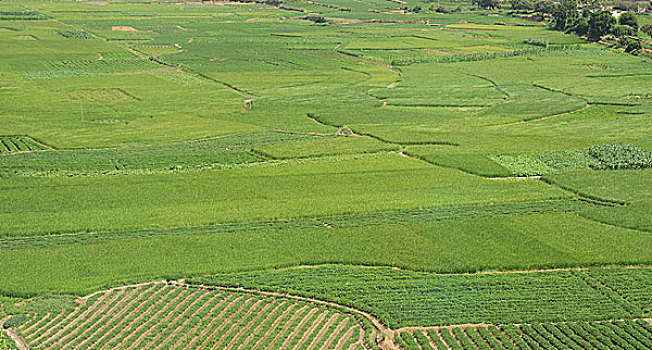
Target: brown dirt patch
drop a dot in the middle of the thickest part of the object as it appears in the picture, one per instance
(123, 29)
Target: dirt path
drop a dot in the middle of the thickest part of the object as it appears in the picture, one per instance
(274, 326)
(165, 308)
(45, 326)
(430, 340)
(260, 326)
(18, 340)
(131, 298)
(73, 314)
(298, 328)
(323, 330)
(41, 320)
(315, 324)
(234, 325)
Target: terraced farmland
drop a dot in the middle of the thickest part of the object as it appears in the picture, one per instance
(18, 144)
(170, 316)
(325, 174)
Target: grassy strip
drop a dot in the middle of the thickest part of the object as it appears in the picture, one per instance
(354, 220)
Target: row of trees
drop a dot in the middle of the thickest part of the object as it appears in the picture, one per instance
(594, 23)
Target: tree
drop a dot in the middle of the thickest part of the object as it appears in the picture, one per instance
(522, 5)
(544, 6)
(582, 27)
(486, 4)
(622, 31)
(565, 15)
(628, 19)
(600, 23)
(633, 46)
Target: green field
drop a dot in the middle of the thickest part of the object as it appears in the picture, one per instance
(341, 174)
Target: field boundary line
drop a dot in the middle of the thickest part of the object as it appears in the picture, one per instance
(524, 122)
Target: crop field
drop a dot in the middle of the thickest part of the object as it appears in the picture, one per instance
(163, 316)
(566, 335)
(325, 174)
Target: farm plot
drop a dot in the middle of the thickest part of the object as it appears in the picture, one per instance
(411, 299)
(15, 144)
(171, 316)
(182, 156)
(624, 334)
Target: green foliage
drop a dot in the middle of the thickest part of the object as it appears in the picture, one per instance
(404, 298)
(628, 19)
(469, 162)
(620, 156)
(600, 23)
(328, 146)
(47, 304)
(15, 321)
(14, 144)
(522, 5)
(623, 31)
(486, 4)
(178, 157)
(647, 28)
(565, 15)
(633, 46)
(536, 42)
(367, 183)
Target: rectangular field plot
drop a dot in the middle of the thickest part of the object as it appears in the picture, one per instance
(13, 144)
(91, 95)
(626, 334)
(403, 298)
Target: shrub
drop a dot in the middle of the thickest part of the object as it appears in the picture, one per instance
(15, 321)
(633, 46)
(620, 156)
(536, 42)
(647, 29)
(623, 30)
(628, 19)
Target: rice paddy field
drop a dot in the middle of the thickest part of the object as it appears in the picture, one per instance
(328, 174)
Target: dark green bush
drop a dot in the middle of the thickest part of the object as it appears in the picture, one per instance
(620, 156)
(15, 321)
